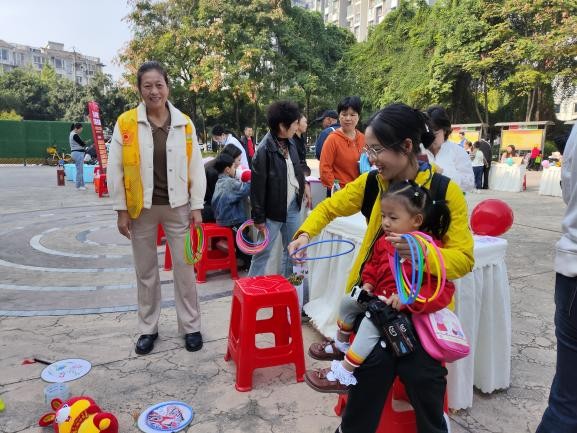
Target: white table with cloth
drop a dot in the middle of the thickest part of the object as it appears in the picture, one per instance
(550, 183)
(482, 302)
(505, 177)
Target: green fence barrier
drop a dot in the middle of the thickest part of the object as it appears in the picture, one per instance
(25, 141)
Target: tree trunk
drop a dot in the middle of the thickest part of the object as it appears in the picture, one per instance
(538, 104)
(476, 102)
(236, 112)
(486, 99)
(530, 104)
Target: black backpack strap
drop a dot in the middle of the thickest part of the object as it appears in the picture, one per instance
(438, 187)
(371, 194)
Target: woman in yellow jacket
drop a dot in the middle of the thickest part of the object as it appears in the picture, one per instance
(392, 141)
(156, 176)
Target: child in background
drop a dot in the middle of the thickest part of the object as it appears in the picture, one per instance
(405, 207)
(229, 200)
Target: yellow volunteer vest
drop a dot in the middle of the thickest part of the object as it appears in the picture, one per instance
(128, 125)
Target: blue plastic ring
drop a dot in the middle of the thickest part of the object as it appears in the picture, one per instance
(326, 241)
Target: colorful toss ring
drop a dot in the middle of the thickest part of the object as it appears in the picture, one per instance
(326, 241)
(425, 257)
(191, 256)
(246, 245)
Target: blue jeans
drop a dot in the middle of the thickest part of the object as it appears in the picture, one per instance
(78, 158)
(287, 231)
(478, 173)
(561, 414)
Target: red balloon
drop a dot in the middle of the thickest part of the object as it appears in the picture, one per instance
(491, 217)
(245, 176)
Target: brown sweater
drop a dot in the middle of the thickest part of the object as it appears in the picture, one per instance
(340, 158)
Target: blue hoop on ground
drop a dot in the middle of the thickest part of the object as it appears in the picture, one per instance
(326, 241)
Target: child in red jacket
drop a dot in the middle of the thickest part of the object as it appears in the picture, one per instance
(405, 207)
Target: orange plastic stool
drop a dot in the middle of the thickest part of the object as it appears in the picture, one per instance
(393, 420)
(249, 296)
(96, 178)
(214, 259)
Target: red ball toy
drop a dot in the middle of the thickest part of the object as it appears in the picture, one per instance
(491, 217)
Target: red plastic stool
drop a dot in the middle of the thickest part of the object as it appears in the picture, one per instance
(213, 258)
(393, 419)
(159, 236)
(249, 296)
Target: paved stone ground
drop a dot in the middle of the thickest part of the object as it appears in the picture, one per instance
(67, 290)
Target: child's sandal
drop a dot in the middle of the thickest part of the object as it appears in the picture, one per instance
(318, 351)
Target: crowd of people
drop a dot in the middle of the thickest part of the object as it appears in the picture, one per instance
(156, 176)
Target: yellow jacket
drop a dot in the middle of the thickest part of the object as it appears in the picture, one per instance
(457, 243)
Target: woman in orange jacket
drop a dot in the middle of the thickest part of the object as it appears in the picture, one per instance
(343, 147)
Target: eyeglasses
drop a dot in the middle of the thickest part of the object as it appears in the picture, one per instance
(373, 152)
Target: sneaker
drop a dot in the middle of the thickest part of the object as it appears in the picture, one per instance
(81, 188)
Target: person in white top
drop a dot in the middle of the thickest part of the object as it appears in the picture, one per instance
(223, 138)
(450, 157)
(478, 162)
(561, 413)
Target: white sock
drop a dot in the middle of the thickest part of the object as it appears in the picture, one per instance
(343, 346)
(341, 374)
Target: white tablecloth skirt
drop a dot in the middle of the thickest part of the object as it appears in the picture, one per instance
(504, 177)
(550, 182)
(482, 303)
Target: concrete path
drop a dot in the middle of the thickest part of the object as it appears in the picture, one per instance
(67, 289)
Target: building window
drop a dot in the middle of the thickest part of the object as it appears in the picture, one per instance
(78, 80)
(575, 107)
(3, 54)
(37, 60)
(58, 63)
(557, 108)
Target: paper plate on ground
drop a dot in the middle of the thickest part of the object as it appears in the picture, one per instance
(169, 416)
(66, 370)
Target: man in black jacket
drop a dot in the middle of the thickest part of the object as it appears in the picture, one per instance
(277, 184)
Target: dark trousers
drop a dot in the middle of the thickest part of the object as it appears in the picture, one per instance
(478, 172)
(486, 177)
(424, 379)
(561, 413)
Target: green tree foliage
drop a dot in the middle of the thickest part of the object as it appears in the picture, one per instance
(43, 95)
(228, 59)
(479, 58)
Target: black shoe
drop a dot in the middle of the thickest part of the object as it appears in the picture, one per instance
(145, 343)
(193, 341)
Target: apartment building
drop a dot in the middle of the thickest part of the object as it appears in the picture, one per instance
(69, 64)
(356, 15)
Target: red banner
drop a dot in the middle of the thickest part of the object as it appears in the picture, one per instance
(98, 135)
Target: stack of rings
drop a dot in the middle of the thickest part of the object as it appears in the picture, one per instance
(424, 255)
(192, 257)
(245, 245)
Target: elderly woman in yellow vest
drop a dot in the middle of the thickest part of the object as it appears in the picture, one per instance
(156, 176)
(392, 138)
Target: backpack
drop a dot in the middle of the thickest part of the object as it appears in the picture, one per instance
(438, 191)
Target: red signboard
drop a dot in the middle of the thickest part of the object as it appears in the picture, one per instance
(98, 135)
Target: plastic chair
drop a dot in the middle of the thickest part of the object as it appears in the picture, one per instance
(249, 296)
